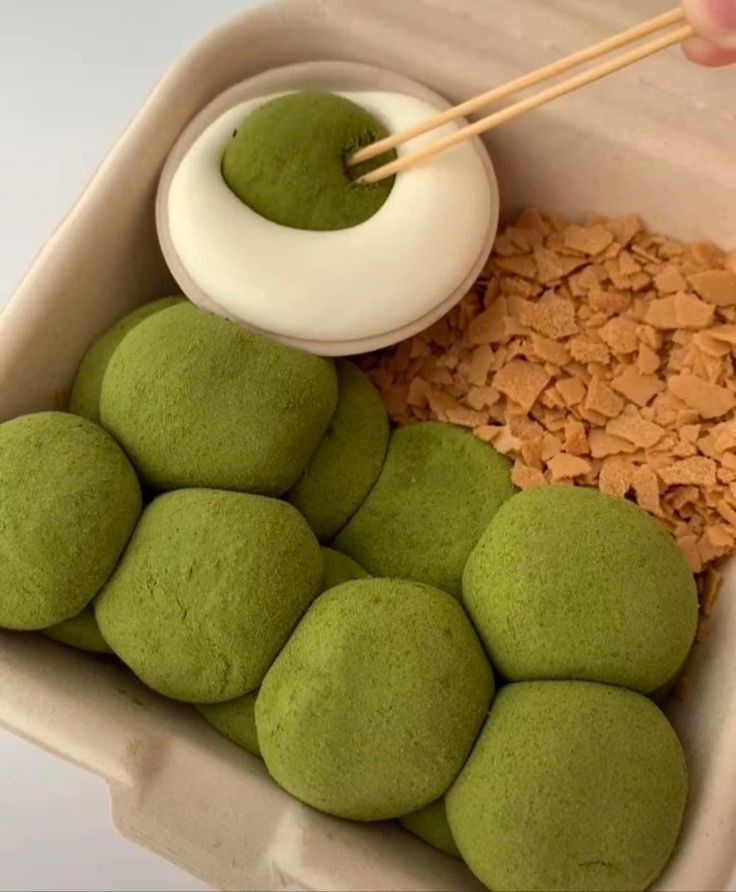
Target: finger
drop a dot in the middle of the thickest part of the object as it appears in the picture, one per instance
(714, 19)
(704, 52)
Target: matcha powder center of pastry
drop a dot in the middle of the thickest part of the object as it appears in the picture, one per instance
(287, 162)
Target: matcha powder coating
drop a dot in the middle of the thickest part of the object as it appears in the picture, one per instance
(287, 162)
(69, 500)
(372, 707)
(439, 489)
(339, 568)
(571, 583)
(349, 459)
(572, 787)
(235, 720)
(199, 402)
(80, 632)
(85, 398)
(208, 592)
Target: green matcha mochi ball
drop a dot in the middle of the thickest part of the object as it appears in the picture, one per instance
(208, 591)
(439, 488)
(431, 825)
(69, 501)
(199, 402)
(572, 786)
(235, 720)
(347, 463)
(80, 632)
(373, 705)
(287, 162)
(339, 568)
(571, 583)
(85, 398)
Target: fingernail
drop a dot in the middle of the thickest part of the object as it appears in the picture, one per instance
(723, 13)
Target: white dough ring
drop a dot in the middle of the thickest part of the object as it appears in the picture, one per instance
(338, 291)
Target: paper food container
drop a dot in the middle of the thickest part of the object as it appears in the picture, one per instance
(658, 139)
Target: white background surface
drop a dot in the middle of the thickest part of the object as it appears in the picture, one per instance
(72, 74)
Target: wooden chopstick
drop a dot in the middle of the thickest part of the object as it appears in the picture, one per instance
(561, 66)
(525, 105)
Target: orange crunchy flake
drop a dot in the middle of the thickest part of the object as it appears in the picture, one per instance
(564, 466)
(526, 477)
(588, 240)
(647, 362)
(572, 390)
(710, 400)
(522, 382)
(488, 432)
(717, 286)
(602, 399)
(615, 476)
(603, 444)
(645, 484)
(670, 280)
(521, 265)
(638, 389)
(726, 333)
(417, 394)
(549, 268)
(551, 446)
(465, 417)
(620, 335)
(637, 430)
(480, 365)
(576, 439)
(480, 397)
(706, 343)
(692, 313)
(698, 471)
(550, 351)
(624, 229)
(488, 328)
(552, 316)
(662, 313)
(584, 349)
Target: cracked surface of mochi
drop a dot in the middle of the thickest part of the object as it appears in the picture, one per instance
(372, 707)
(439, 488)
(69, 500)
(572, 786)
(199, 402)
(208, 591)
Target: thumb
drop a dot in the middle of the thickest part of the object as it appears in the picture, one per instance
(713, 19)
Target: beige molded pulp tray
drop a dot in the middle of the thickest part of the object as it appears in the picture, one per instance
(659, 139)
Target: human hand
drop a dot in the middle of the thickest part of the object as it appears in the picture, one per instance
(715, 22)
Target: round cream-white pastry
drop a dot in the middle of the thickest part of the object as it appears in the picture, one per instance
(363, 285)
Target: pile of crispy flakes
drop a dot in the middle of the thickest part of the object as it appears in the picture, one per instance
(594, 355)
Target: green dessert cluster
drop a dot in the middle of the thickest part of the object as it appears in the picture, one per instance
(342, 600)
